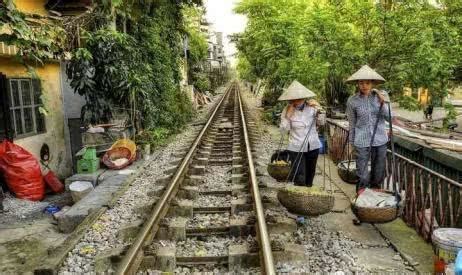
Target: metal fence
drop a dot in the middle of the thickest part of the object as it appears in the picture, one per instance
(431, 199)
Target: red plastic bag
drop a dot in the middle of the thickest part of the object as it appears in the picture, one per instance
(53, 182)
(21, 172)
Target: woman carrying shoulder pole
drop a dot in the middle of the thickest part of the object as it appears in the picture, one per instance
(367, 112)
(300, 118)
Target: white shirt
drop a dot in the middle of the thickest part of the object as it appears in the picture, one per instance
(298, 126)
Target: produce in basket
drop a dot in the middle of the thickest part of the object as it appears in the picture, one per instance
(280, 163)
(376, 206)
(307, 201)
(375, 199)
(279, 169)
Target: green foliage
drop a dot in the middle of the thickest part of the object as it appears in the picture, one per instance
(100, 73)
(321, 43)
(139, 70)
(35, 43)
(202, 82)
(155, 137)
(197, 41)
(409, 103)
(197, 49)
(451, 115)
(272, 114)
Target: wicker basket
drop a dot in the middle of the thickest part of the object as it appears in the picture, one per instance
(117, 153)
(305, 203)
(347, 175)
(376, 214)
(278, 172)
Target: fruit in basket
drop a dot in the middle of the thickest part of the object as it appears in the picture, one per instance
(315, 190)
(280, 163)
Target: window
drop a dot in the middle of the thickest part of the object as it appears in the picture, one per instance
(25, 104)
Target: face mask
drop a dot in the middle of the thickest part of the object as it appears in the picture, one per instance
(300, 107)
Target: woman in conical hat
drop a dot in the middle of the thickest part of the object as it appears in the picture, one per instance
(365, 110)
(299, 117)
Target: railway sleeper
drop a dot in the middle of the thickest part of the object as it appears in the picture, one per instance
(238, 257)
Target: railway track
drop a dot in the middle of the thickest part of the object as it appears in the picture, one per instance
(210, 216)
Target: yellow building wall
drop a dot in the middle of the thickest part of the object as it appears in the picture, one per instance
(407, 91)
(31, 6)
(423, 96)
(50, 75)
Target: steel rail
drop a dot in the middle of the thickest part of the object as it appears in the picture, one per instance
(265, 244)
(126, 265)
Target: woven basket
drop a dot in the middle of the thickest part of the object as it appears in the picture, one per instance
(347, 175)
(304, 203)
(376, 214)
(117, 153)
(278, 172)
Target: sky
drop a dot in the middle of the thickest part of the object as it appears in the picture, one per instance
(220, 14)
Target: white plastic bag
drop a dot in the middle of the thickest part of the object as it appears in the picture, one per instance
(374, 199)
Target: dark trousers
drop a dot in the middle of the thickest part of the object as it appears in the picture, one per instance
(375, 178)
(306, 170)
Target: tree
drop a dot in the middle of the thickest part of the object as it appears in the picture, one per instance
(410, 43)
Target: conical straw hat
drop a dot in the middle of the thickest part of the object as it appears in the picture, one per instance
(296, 91)
(366, 73)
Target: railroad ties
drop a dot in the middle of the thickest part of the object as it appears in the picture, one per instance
(207, 218)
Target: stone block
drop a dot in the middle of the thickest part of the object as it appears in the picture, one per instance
(281, 225)
(165, 259)
(201, 161)
(237, 159)
(176, 162)
(183, 208)
(239, 169)
(129, 231)
(149, 262)
(189, 192)
(291, 253)
(193, 180)
(164, 180)
(239, 189)
(238, 178)
(177, 229)
(107, 260)
(239, 257)
(196, 170)
(171, 170)
(96, 199)
(238, 226)
(92, 177)
(240, 205)
(145, 208)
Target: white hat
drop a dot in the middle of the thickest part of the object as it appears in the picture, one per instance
(296, 91)
(366, 73)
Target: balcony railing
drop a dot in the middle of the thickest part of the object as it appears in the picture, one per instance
(431, 199)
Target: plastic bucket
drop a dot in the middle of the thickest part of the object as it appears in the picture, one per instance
(447, 242)
(80, 189)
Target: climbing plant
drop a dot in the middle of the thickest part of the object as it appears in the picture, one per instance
(137, 66)
(35, 37)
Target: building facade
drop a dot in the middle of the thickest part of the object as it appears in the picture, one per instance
(32, 109)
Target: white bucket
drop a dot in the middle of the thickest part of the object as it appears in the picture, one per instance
(80, 189)
(447, 243)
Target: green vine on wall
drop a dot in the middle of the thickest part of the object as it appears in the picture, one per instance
(36, 38)
(139, 69)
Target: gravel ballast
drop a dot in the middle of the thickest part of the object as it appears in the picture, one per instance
(102, 236)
